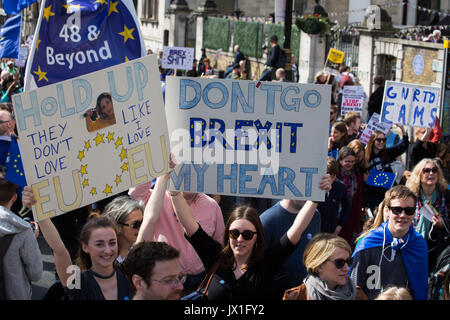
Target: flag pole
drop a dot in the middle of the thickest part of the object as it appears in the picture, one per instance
(28, 76)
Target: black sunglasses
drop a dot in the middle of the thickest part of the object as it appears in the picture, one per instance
(428, 170)
(398, 210)
(246, 234)
(135, 225)
(380, 139)
(340, 263)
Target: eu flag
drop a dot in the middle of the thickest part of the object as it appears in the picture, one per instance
(15, 6)
(333, 153)
(10, 37)
(77, 37)
(14, 166)
(381, 179)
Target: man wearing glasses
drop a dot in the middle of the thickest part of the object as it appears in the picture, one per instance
(393, 254)
(154, 272)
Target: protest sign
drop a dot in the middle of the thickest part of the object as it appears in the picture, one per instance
(353, 98)
(177, 58)
(374, 124)
(90, 137)
(410, 104)
(23, 55)
(334, 60)
(236, 138)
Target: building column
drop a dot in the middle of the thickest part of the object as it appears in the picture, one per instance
(178, 12)
(312, 57)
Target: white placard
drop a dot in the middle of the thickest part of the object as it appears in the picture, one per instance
(178, 58)
(353, 98)
(410, 104)
(374, 124)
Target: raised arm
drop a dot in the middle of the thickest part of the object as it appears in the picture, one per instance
(306, 213)
(51, 235)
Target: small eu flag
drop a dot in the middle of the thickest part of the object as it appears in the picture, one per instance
(14, 166)
(381, 179)
(10, 37)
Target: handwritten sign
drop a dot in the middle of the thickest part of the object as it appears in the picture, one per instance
(374, 124)
(178, 58)
(93, 136)
(234, 138)
(410, 104)
(353, 98)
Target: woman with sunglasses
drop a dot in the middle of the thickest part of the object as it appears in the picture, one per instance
(243, 268)
(327, 259)
(380, 158)
(428, 182)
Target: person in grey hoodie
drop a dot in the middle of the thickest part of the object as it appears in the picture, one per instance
(22, 263)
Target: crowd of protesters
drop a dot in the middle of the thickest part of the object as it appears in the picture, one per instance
(361, 242)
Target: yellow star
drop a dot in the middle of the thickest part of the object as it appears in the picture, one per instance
(71, 6)
(99, 139)
(102, 1)
(85, 183)
(83, 170)
(110, 137)
(118, 142)
(107, 189)
(93, 191)
(48, 12)
(81, 155)
(37, 44)
(113, 7)
(123, 154)
(124, 167)
(118, 180)
(127, 33)
(87, 145)
(126, 59)
(41, 74)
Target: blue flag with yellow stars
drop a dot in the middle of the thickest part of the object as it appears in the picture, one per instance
(15, 6)
(14, 166)
(10, 37)
(381, 179)
(76, 37)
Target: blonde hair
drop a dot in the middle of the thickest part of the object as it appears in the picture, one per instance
(395, 293)
(320, 248)
(413, 182)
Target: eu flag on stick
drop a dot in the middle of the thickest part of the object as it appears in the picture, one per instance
(10, 37)
(15, 6)
(381, 179)
(14, 166)
(77, 37)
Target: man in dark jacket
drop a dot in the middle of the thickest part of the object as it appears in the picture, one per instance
(376, 98)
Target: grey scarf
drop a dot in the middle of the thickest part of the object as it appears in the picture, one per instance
(318, 290)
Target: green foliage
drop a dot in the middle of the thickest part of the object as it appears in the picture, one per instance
(248, 35)
(216, 33)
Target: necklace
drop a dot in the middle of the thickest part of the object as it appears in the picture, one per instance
(101, 276)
